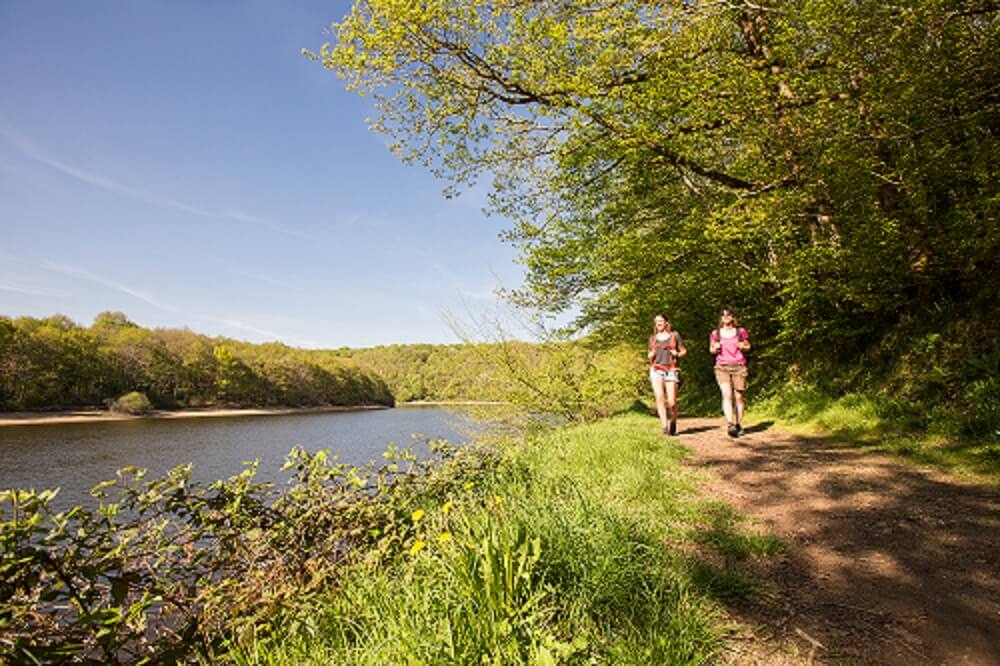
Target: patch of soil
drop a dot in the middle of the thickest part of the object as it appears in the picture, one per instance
(885, 563)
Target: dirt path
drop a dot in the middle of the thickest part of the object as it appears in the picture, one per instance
(885, 563)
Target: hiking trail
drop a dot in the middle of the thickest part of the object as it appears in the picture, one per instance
(885, 563)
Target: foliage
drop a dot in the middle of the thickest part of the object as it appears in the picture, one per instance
(581, 545)
(925, 432)
(573, 378)
(133, 403)
(827, 167)
(54, 363)
(164, 568)
(983, 396)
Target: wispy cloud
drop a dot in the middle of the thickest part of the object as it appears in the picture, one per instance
(81, 273)
(239, 325)
(102, 182)
(30, 291)
(364, 220)
(28, 179)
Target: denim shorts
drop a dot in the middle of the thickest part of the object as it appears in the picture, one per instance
(665, 375)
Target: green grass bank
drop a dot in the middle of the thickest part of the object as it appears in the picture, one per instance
(919, 431)
(587, 544)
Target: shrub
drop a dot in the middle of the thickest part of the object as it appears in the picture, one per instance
(134, 403)
(166, 568)
(983, 399)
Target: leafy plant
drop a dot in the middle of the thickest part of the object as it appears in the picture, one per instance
(133, 403)
(166, 567)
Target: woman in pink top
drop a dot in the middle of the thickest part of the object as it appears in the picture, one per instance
(728, 342)
(665, 347)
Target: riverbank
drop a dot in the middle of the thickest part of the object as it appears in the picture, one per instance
(96, 415)
(573, 545)
(451, 403)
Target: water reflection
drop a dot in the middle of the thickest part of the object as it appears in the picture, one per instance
(75, 456)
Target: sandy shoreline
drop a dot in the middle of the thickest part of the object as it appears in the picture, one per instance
(94, 415)
(448, 403)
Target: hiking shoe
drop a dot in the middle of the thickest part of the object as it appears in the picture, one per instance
(673, 428)
(733, 430)
(666, 431)
(739, 431)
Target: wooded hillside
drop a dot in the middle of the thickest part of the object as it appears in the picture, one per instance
(55, 363)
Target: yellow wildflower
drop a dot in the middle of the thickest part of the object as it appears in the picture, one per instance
(417, 546)
(444, 537)
(417, 515)
(446, 507)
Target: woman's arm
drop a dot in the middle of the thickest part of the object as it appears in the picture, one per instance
(714, 345)
(745, 341)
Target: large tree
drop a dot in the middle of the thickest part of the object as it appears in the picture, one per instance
(826, 165)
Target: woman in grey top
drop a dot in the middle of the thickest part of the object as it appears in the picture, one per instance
(665, 347)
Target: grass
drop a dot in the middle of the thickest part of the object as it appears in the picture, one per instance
(582, 545)
(920, 433)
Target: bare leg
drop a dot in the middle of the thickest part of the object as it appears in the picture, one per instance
(672, 400)
(739, 407)
(727, 401)
(661, 402)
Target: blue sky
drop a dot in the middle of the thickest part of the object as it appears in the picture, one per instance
(182, 162)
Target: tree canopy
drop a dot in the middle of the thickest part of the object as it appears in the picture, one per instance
(54, 363)
(829, 167)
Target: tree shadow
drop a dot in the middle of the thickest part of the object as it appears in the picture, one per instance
(885, 563)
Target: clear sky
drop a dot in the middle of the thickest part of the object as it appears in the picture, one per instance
(182, 162)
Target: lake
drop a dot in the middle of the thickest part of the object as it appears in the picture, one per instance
(76, 456)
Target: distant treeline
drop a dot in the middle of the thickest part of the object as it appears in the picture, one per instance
(55, 363)
(572, 378)
(418, 372)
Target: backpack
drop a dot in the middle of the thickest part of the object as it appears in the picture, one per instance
(741, 334)
(673, 343)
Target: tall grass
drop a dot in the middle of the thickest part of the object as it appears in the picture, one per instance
(578, 546)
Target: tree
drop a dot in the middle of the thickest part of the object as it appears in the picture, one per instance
(54, 363)
(829, 167)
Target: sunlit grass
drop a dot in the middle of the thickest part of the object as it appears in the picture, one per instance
(583, 545)
(921, 433)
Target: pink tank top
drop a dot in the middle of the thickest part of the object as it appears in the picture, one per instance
(730, 354)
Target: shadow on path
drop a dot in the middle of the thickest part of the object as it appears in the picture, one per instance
(885, 563)
(693, 430)
(758, 427)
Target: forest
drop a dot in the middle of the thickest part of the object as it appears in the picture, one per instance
(827, 168)
(54, 363)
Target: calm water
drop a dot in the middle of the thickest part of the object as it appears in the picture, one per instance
(76, 456)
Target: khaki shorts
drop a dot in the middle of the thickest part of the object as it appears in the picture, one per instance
(732, 374)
